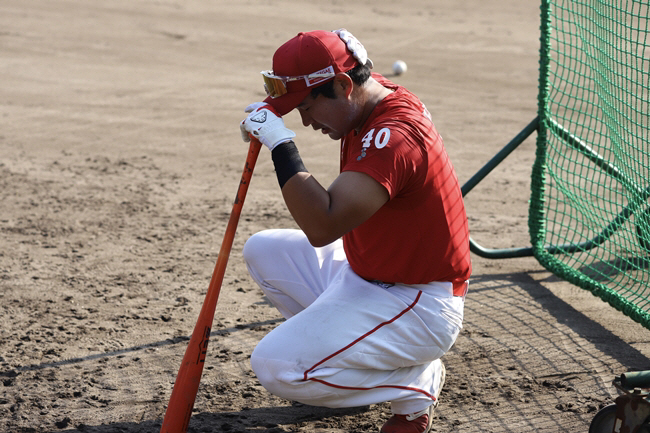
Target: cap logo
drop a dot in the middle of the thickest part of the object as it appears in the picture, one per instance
(259, 117)
(319, 76)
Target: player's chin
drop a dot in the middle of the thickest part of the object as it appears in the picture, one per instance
(334, 135)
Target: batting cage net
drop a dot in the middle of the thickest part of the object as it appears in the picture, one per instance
(589, 214)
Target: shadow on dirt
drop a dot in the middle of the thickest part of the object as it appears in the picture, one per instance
(602, 338)
(155, 344)
(244, 421)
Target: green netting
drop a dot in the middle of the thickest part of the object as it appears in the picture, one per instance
(590, 210)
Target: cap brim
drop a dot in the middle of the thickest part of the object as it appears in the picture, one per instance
(287, 102)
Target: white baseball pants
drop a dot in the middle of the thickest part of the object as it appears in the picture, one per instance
(347, 341)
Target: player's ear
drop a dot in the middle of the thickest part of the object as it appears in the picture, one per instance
(343, 83)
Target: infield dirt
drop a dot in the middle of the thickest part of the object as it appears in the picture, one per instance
(120, 156)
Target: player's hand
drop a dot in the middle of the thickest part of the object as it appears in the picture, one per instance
(254, 106)
(266, 125)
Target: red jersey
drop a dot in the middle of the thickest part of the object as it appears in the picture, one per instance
(421, 234)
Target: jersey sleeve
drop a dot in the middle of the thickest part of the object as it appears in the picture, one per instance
(388, 155)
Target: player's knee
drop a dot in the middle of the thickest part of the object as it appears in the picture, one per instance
(271, 248)
(257, 247)
(278, 376)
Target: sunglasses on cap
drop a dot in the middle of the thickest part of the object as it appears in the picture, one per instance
(276, 85)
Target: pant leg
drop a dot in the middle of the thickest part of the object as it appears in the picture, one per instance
(290, 271)
(359, 343)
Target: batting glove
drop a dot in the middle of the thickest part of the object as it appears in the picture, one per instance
(254, 106)
(267, 126)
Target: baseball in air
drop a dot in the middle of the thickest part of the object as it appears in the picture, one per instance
(399, 67)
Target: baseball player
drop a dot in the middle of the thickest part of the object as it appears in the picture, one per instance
(373, 284)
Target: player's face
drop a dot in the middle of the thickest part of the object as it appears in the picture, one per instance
(333, 117)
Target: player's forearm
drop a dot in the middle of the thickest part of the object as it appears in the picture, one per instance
(309, 203)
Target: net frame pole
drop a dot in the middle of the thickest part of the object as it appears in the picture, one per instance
(500, 253)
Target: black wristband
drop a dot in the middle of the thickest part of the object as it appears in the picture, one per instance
(287, 161)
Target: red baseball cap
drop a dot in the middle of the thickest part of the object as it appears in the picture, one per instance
(304, 62)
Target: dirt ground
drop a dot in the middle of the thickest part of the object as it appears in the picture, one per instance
(120, 156)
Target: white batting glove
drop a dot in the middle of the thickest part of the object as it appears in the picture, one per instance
(264, 124)
(358, 50)
(254, 106)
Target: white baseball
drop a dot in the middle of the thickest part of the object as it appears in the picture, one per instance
(399, 67)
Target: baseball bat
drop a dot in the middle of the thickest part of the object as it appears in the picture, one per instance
(181, 402)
